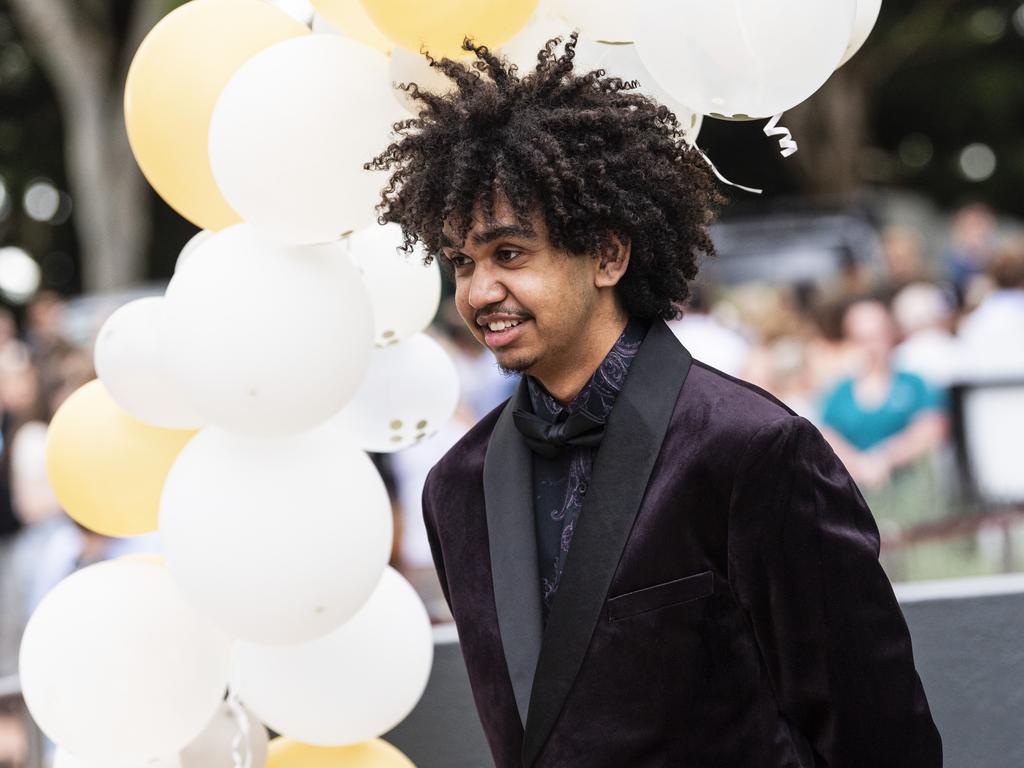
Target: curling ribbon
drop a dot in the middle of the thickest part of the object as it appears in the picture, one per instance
(787, 144)
(241, 746)
(241, 749)
(722, 178)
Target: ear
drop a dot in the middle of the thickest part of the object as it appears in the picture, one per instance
(611, 263)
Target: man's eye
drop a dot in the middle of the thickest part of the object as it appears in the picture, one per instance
(458, 261)
(507, 254)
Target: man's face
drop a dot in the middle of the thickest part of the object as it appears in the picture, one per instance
(508, 273)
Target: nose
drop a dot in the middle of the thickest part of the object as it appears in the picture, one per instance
(484, 287)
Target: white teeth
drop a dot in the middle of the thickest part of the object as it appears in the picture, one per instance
(501, 325)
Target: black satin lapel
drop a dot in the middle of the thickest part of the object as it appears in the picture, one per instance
(622, 467)
(508, 495)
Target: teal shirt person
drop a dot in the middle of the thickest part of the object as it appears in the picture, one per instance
(864, 427)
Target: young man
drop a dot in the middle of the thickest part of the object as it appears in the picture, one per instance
(650, 563)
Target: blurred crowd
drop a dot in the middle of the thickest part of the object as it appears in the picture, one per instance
(871, 357)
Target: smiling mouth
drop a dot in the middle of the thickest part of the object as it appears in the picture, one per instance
(497, 339)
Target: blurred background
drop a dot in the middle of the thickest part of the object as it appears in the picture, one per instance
(876, 287)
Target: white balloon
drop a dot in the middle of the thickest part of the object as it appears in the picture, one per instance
(276, 540)
(352, 685)
(407, 67)
(608, 20)
(264, 338)
(742, 58)
(64, 759)
(300, 10)
(404, 292)
(623, 61)
(322, 26)
(867, 15)
(410, 391)
(117, 666)
(129, 360)
(214, 746)
(291, 131)
(194, 242)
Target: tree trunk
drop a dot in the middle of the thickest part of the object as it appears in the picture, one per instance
(834, 122)
(109, 194)
(831, 127)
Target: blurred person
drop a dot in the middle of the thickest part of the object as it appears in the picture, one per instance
(765, 312)
(830, 359)
(854, 275)
(8, 327)
(20, 391)
(880, 417)
(44, 317)
(781, 367)
(14, 748)
(572, 219)
(992, 336)
(881, 420)
(903, 252)
(966, 253)
(924, 317)
(32, 495)
(794, 357)
(708, 338)
(19, 402)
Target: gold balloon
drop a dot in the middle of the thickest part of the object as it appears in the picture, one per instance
(440, 25)
(106, 467)
(285, 753)
(350, 17)
(173, 84)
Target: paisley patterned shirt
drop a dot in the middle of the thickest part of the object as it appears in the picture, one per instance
(560, 483)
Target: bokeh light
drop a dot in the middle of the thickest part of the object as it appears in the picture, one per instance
(987, 24)
(1018, 20)
(916, 150)
(977, 162)
(19, 274)
(41, 200)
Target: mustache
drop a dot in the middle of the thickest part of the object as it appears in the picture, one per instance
(503, 311)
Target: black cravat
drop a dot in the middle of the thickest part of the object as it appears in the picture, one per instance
(549, 440)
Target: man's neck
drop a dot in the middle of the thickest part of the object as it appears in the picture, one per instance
(594, 345)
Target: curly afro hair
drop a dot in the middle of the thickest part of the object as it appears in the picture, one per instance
(586, 151)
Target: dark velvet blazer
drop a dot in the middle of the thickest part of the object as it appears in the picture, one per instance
(722, 605)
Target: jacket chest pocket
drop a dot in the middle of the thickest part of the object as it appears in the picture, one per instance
(675, 592)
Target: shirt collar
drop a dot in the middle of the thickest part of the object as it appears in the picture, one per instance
(598, 394)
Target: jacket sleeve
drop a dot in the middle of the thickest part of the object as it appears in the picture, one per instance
(803, 560)
(429, 521)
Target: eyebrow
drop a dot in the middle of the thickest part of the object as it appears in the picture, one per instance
(491, 234)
